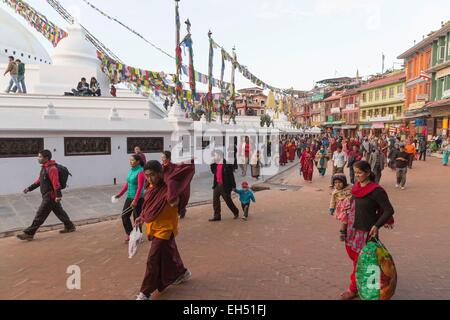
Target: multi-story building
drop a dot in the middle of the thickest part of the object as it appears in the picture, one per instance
(350, 112)
(439, 105)
(332, 106)
(418, 86)
(252, 100)
(381, 104)
(315, 110)
(318, 107)
(301, 102)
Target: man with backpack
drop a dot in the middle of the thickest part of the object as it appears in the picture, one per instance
(52, 179)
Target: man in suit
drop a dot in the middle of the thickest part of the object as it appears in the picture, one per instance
(223, 184)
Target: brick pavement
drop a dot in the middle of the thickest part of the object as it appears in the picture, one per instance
(87, 205)
(288, 249)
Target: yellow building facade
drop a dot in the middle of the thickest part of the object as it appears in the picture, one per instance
(382, 104)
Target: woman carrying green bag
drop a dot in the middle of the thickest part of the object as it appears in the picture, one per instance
(370, 210)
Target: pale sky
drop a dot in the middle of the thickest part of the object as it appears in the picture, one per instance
(286, 43)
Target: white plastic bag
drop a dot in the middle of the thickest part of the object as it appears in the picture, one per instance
(135, 239)
(114, 199)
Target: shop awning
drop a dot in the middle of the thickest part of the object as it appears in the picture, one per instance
(349, 127)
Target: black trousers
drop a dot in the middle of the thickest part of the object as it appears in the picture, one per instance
(127, 225)
(424, 154)
(352, 175)
(410, 160)
(245, 208)
(48, 205)
(218, 192)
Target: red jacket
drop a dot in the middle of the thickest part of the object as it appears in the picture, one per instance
(48, 180)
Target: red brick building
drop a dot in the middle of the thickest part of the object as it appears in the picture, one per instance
(350, 112)
(252, 100)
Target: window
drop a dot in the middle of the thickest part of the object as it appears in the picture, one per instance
(363, 114)
(400, 88)
(377, 95)
(147, 144)
(364, 97)
(87, 146)
(399, 111)
(370, 113)
(355, 117)
(384, 94)
(441, 53)
(383, 112)
(391, 110)
(20, 147)
(410, 69)
(370, 96)
(377, 112)
(391, 92)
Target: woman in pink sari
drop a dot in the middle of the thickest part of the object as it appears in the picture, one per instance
(307, 164)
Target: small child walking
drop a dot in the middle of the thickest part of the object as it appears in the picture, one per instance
(245, 195)
(340, 202)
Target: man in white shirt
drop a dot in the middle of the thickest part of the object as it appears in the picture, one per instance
(338, 161)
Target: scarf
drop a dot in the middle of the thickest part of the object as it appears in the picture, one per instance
(176, 183)
(360, 192)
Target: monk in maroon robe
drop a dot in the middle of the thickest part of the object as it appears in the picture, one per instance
(160, 213)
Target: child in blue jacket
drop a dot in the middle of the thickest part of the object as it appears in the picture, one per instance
(245, 195)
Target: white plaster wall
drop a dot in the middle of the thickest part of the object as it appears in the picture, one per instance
(87, 171)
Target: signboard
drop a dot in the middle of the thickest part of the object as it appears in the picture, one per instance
(389, 117)
(318, 97)
(378, 125)
(416, 105)
(446, 94)
(350, 106)
(442, 73)
(422, 97)
(335, 110)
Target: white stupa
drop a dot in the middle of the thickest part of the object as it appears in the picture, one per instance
(73, 58)
(17, 41)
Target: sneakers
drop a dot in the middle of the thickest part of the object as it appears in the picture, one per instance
(65, 230)
(403, 188)
(244, 218)
(236, 217)
(142, 296)
(183, 278)
(397, 186)
(25, 237)
(127, 239)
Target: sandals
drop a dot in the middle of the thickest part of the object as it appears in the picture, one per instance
(343, 235)
(348, 295)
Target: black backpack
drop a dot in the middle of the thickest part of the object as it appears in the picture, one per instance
(63, 175)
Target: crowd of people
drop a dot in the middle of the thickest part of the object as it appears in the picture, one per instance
(158, 192)
(379, 152)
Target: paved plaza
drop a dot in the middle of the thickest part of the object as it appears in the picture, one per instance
(288, 249)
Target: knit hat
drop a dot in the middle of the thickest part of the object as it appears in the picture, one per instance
(245, 184)
(340, 177)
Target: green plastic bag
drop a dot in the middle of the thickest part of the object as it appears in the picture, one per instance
(376, 276)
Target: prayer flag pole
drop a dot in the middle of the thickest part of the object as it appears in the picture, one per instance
(210, 76)
(178, 59)
(233, 68)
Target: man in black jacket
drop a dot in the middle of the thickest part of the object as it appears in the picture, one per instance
(48, 182)
(223, 184)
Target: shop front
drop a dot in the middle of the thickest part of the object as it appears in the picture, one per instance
(349, 131)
